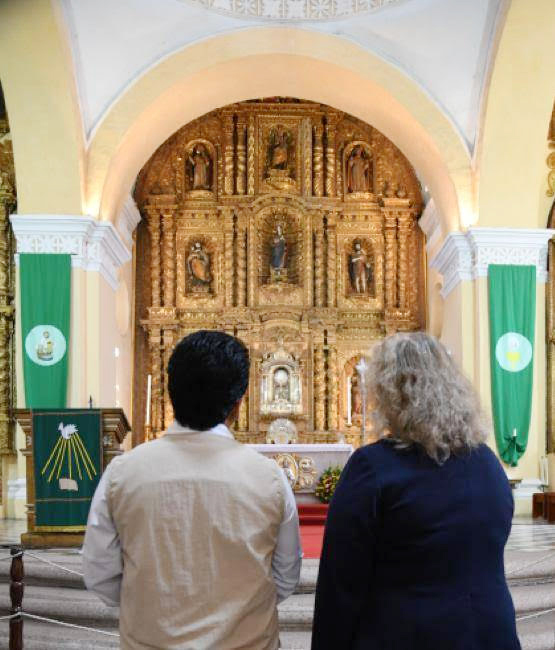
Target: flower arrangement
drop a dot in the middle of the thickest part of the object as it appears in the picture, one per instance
(327, 483)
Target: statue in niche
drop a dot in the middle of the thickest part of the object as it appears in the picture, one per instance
(281, 385)
(278, 150)
(358, 171)
(356, 396)
(360, 269)
(198, 267)
(199, 160)
(278, 255)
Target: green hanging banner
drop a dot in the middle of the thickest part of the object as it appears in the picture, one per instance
(45, 302)
(512, 314)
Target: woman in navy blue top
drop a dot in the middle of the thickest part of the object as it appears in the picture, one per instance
(413, 548)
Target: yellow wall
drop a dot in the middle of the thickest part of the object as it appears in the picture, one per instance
(36, 72)
(512, 172)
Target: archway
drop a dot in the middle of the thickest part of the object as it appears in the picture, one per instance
(287, 62)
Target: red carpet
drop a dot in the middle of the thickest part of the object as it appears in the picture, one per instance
(312, 517)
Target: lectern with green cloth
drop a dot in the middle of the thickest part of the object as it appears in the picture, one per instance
(66, 452)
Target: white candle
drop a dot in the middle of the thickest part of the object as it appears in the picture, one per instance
(148, 398)
(349, 405)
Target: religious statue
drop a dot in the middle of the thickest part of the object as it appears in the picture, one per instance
(200, 165)
(45, 347)
(359, 171)
(278, 152)
(281, 385)
(278, 255)
(356, 397)
(198, 267)
(360, 269)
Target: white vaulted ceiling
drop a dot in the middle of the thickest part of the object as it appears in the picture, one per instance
(443, 45)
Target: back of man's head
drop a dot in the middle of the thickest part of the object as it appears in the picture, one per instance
(208, 373)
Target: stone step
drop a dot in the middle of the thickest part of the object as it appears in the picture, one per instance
(537, 633)
(79, 607)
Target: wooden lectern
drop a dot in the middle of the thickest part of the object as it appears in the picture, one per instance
(114, 427)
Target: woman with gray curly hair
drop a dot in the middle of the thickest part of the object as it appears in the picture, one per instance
(413, 548)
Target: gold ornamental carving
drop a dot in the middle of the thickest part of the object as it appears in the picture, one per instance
(291, 225)
(8, 201)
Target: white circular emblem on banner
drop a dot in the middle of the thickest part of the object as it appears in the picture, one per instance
(513, 352)
(45, 345)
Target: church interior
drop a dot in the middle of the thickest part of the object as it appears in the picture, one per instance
(308, 177)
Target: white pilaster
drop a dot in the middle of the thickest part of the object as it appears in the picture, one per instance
(93, 245)
(466, 256)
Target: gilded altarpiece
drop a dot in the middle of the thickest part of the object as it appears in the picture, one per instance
(294, 227)
(7, 281)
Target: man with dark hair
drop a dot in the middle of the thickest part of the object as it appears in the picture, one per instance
(195, 535)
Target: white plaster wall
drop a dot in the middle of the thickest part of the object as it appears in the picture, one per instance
(443, 45)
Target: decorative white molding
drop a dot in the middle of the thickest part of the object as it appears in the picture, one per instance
(17, 488)
(128, 219)
(293, 10)
(466, 256)
(430, 224)
(93, 245)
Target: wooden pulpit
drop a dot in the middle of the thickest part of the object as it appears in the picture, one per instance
(73, 455)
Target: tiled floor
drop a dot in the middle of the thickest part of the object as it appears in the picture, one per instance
(531, 535)
(526, 535)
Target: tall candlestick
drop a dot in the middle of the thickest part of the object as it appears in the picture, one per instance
(148, 399)
(349, 404)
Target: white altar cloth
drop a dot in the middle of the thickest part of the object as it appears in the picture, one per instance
(323, 456)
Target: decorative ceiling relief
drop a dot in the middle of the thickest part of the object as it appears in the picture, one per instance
(293, 10)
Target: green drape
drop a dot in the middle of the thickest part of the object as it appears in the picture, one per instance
(45, 282)
(512, 312)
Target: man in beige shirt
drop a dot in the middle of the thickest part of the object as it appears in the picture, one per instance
(195, 536)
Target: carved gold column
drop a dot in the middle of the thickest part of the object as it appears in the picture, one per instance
(168, 343)
(241, 178)
(168, 256)
(154, 231)
(405, 223)
(319, 388)
(241, 264)
(7, 370)
(318, 161)
(319, 272)
(243, 419)
(251, 147)
(228, 256)
(306, 140)
(156, 407)
(228, 154)
(331, 124)
(331, 253)
(390, 260)
(332, 392)
(7, 200)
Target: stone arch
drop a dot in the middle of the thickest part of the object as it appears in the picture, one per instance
(268, 62)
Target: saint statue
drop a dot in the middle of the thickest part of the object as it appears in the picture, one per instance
(198, 266)
(358, 171)
(281, 385)
(360, 269)
(45, 347)
(279, 148)
(278, 257)
(356, 397)
(200, 163)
